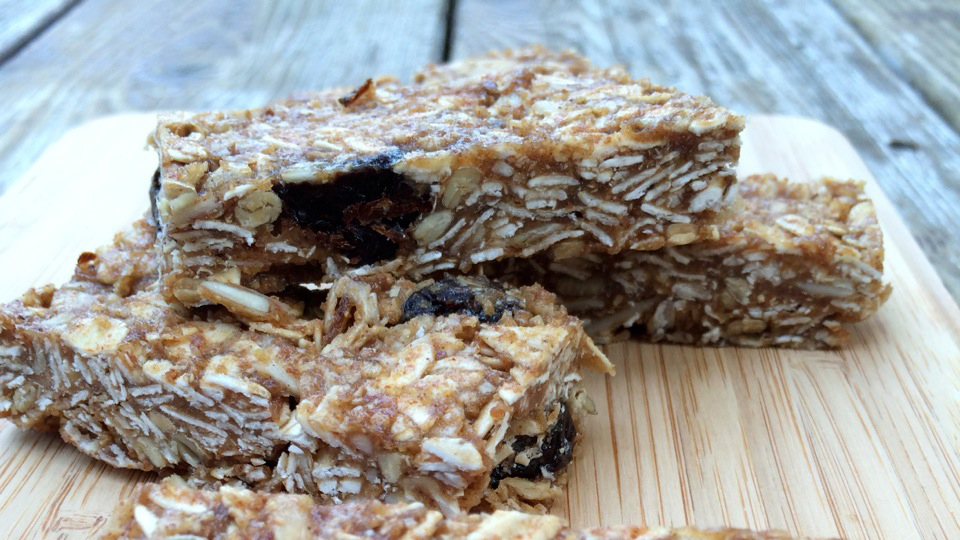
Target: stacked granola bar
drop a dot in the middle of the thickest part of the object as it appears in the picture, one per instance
(454, 393)
(791, 266)
(172, 510)
(345, 295)
(511, 155)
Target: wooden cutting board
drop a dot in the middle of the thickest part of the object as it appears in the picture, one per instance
(860, 443)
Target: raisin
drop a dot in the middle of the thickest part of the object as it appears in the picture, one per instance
(479, 297)
(363, 213)
(556, 452)
(154, 191)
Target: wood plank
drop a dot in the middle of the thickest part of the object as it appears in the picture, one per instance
(919, 40)
(859, 442)
(203, 54)
(22, 21)
(794, 57)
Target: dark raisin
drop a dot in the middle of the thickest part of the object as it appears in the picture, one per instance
(556, 452)
(154, 191)
(363, 213)
(522, 442)
(479, 297)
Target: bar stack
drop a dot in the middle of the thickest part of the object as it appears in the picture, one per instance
(383, 298)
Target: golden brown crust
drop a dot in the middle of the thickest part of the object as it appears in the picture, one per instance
(508, 155)
(170, 509)
(342, 393)
(794, 264)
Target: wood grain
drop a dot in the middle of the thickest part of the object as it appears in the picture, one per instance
(86, 215)
(858, 443)
(918, 38)
(203, 54)
(796, 57)
(21, 21)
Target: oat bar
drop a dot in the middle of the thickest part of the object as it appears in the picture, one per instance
(451, 393)
(509, 155)
(796, 263)
(172, 510)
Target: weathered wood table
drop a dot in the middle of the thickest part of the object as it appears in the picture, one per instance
(886, 74)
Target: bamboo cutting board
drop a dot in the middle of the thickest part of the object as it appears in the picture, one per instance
(861, 443)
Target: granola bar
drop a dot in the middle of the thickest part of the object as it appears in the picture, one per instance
(452, 393)
(508, 155)
(796, 263)
(171, 509)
